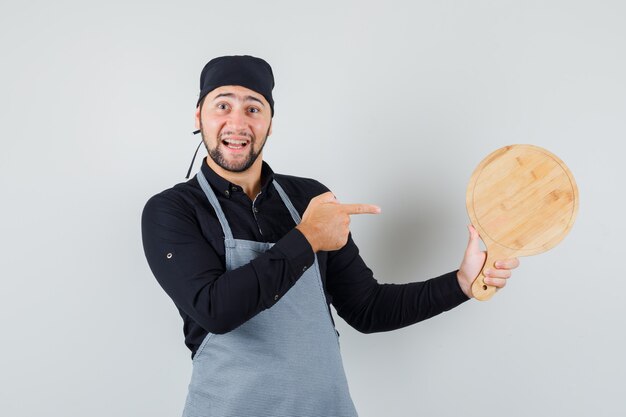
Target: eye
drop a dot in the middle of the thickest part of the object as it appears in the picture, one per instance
(222, 106)
(253, 110)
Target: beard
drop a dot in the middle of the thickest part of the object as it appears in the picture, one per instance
(240, 165)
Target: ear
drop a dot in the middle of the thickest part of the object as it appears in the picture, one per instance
(269, 132)
(197, 118)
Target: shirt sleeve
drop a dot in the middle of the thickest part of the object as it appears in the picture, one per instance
(371, 307)
(194, 276)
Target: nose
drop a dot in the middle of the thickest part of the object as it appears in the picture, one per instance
(236, 118)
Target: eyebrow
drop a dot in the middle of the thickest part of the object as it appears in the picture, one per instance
(246, 98)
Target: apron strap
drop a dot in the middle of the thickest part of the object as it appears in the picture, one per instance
(229, 242)
(283, 195)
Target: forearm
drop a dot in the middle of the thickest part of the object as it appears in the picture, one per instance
(393, 306)
(193, 274)
(233, 297)
(369, 306)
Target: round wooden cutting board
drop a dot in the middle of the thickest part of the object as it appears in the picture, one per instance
(523, 200)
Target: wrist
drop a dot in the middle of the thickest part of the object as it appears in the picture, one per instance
(309, 236)
(464, 283)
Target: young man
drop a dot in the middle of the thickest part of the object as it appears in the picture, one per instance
(253, 259)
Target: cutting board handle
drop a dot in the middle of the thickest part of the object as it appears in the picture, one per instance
(480, 290)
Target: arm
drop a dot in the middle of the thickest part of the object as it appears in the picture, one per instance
(359, 299)
(194, 276)
(371, 307)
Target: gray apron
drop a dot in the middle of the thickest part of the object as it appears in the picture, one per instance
(283, 362)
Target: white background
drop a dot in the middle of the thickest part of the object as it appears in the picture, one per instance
(392, 104)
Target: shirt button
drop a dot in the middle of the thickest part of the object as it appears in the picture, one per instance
(276, 297)
(304, 269)
(256, 210)
(169, 255)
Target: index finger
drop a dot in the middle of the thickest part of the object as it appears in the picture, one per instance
(361, 208)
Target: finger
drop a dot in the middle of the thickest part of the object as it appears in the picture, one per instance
(473, 244)
(507, 263)
(361, 209)
(495, 282)
(497, 273)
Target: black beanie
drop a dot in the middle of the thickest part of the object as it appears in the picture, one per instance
(244, 70)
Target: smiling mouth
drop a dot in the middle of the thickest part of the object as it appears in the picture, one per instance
(235, 144)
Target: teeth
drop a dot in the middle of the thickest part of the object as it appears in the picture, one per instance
(236, 142)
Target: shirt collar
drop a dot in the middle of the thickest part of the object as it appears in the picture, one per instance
(226, 188)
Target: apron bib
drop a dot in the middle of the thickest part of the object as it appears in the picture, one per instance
(283, 362)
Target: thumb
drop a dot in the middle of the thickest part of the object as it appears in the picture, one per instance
(473, 245)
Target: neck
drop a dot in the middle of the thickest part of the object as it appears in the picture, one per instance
(249, 180)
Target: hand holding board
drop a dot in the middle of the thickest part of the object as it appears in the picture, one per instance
(523, 200)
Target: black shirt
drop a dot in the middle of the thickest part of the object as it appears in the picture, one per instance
(184, 245)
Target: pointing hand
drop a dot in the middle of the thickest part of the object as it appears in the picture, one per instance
(325, 222)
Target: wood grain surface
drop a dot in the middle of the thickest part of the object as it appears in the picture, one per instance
(523, 200)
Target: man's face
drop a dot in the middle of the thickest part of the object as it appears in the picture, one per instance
(234, 122)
